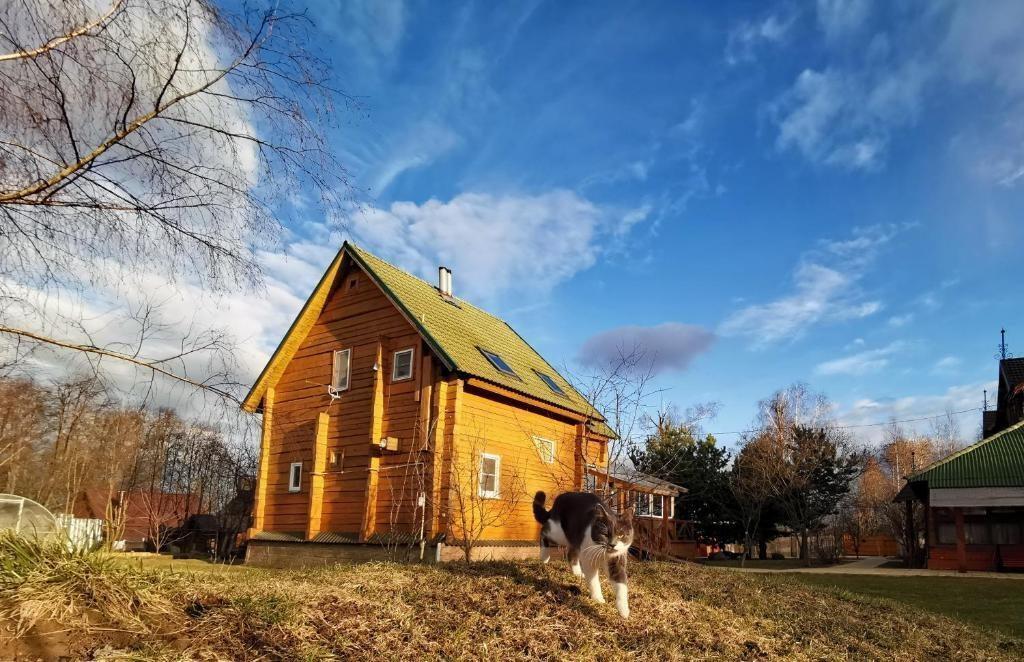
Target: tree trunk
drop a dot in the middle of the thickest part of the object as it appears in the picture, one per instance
(762, 549)
(805, 555)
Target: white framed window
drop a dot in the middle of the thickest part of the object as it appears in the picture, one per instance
(657, 505)
(342, 370)
(401, 368)
(643, 504)
(546, 449)
(589, 482)
(490, 476)
(295, 477)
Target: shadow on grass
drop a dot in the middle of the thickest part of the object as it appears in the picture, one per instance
(537, 577)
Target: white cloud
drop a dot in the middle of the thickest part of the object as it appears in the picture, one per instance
(946, 365)
(419, 145)
(665, 347)
(899, 321)
(511, 245)
(825, 290)
(744, 40)
(839, 18)
(955, 398)
(844, 119)
(862, 363)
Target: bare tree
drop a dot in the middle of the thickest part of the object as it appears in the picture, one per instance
(483, 493)
(622, 394)
(151, 137)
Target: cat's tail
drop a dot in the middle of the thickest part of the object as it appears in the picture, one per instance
(539, 513)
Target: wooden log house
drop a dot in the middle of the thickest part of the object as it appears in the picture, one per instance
(392, 409)
(974, 499)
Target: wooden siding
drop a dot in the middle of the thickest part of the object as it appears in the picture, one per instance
(360, 318)
(489, 423)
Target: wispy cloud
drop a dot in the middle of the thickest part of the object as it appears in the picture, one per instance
(861, 363)
(899, 321)
(665, 347)
(879, 409)
(840, 18)
(513, 244)
(826, 289)
(946, 365)
(842, 118)
(745, 39)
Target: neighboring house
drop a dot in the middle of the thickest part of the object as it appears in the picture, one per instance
(974, 499)
(139, 520)
(395, 412)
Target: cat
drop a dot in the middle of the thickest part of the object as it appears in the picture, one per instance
(593, 536)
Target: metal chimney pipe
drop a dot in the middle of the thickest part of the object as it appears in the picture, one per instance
(444, 280)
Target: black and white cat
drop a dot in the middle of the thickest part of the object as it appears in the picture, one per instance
(593, 536)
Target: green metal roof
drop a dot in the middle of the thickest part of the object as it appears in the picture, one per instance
(996, 461)
(458, 331)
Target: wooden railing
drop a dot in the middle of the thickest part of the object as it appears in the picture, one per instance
(656, 537)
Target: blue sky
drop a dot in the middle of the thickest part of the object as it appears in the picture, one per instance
(759, 193)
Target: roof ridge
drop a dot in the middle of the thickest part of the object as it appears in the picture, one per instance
(963, 451)
(425, 281)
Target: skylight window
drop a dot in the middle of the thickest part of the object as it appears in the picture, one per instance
(550, 382)
(499, 363)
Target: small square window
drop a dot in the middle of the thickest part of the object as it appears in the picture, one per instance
(490, 476)
(353, 283)
(342, 370)
(402, 368)
(499, 363)
(295, 477)
(551, 384)
(546, 448)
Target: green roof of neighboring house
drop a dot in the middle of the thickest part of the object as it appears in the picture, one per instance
(996, 461)
(455, 329)
(458, 330)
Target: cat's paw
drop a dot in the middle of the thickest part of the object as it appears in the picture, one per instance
(624, 611)
(577, 570)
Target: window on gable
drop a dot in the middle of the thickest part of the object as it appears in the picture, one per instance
(490, 476)
(295, 477)
(551, 384)
(546, 448)
(402, 367)
(499, 363)
(342, 369)
(589, 482)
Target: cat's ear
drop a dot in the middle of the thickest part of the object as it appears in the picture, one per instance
(627, 514)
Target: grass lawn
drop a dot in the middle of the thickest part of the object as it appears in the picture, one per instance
(989, 603)
(140, 561)
(767, 564)
(54, 603)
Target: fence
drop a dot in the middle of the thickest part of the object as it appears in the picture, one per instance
(82, 534)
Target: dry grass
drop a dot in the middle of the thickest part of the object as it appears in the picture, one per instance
(486, 610)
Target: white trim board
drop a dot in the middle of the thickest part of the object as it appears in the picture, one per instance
(975, 497)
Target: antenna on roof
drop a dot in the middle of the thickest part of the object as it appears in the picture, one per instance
(1003, 354)
(984, 406)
